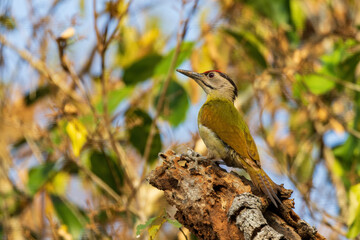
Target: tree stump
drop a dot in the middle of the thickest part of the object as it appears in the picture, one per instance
(215, 204)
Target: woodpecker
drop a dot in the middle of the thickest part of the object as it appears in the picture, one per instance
(224, 131)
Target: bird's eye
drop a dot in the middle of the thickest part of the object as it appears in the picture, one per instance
(211, 75)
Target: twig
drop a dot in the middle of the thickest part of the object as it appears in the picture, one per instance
(42, 68)
(100, 183)
(102, 45)
(68, 68)
(180, 37)
(182, 231)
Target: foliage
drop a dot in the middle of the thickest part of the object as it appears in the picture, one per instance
(84, 111)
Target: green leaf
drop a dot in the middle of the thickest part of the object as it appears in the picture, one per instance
(318, 84)
(153, 224)
(345, 152)
(185, 52)
(8, 22)
(39, 175)
(251, 45)
(114, 99)
(104, 166)
(354, 211)
(337, 169)
(69, 216)
(55, 136)
(141, 69)
(278, 11)
(346, 69)
(176, 103)
(138, 124)
(174, 222)
(141, 227)
(298, 87)
(339, 63)
(297, 15)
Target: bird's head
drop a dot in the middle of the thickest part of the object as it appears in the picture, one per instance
(215, 83)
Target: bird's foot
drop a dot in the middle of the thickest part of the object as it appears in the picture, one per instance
(191, 155)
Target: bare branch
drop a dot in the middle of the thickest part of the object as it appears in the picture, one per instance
(180, 37)
(103, 44)
(42, 68)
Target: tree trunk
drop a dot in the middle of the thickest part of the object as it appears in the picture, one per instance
(215, 204)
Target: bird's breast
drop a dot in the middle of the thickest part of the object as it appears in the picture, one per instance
(216, 147)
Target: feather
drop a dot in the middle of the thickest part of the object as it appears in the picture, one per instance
(222, 118)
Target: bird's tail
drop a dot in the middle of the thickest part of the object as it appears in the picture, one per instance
(264, 183)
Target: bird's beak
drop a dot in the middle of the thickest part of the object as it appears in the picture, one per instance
(190, 74)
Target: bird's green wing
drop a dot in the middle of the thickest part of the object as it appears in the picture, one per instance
(223, 119)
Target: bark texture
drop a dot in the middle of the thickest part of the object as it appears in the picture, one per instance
(215, 204)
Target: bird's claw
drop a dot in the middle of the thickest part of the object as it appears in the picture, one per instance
(191, 155)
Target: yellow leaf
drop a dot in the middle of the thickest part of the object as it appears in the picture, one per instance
(59, 183)
(154, 229)
(149, 38)
(77, 133)
(64, 233)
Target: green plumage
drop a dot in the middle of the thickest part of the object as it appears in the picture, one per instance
(227, 136)
(225, 132)
(225, 121)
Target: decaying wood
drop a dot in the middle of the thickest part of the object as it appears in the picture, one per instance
(215, 204)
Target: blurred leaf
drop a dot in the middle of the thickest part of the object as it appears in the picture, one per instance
(114, 99)
(339, 63)
(104, 166)
(153, 224)
(174, 222)
(278, 11)
(297, 15)
(185, 52)
(141, 69)
(344, 153)
(318, 84)
(176, 103)
(39, 175)
(128, 47)
(337, 169)
(346, 69)
(251, 45)
(36, 95)
(141, 227)
(55, 136)
(354, 211)
(304, 164)
(69, 216)
(154, 229)
(298, 87)
(59, 183)
(8, 22)
(138, 124)
(77, 133)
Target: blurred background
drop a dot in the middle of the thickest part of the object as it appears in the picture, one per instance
(89, 96)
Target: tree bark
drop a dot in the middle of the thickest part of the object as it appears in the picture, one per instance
(215, 204)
